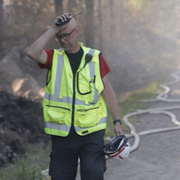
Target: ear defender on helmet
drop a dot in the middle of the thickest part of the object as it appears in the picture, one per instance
(118, 147)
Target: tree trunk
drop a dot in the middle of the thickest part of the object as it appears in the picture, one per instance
(112, 18)
(71, 5)
(89, 29)
(58, 7)
(100, 27)
(1, 29)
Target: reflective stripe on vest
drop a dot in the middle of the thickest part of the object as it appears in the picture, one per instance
(57, 126)
(68, 99)
(66, 128)
(55, 96)
(92, 69)
(92, 72)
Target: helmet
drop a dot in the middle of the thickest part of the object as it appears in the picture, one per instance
(117, 147)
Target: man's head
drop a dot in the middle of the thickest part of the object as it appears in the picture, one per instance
(68, 37)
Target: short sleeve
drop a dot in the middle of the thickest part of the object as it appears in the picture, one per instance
(48, 64)
(105, 69)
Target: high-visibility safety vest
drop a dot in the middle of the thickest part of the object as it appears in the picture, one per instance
(81, 95)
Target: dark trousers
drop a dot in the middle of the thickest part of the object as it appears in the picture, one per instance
(65, 153)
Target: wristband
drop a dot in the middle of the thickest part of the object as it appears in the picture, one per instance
(118, 120)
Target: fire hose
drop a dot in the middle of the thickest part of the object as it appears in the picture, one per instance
(163, 110)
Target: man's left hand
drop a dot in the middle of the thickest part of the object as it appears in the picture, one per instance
(118, 129)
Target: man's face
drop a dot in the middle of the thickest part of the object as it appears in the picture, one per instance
(67, 38)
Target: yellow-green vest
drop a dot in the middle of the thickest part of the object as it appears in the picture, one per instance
(83, 98)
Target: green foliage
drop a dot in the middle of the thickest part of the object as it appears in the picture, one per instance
(40, 155)
(140, 4)
(130, 103)
(23, 169)
(29, 167)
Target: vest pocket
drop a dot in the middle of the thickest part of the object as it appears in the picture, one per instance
(57, 114)
(88, 92)
(84, 87)
(88, 118)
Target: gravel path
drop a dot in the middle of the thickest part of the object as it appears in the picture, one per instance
(158, 156)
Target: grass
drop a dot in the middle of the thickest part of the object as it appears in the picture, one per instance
(28, 167)
(22, 170)
(130, 103)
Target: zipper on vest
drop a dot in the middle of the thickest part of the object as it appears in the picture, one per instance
(87, 109)
(58, 107)
(74, 94)
(73, 103)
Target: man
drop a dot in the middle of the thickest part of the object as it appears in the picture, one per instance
(74, 106)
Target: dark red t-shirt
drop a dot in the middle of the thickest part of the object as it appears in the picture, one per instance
(105, 69)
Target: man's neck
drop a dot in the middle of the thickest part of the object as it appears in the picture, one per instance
(75, 49)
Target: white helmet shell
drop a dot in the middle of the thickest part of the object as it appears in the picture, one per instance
(118, 147)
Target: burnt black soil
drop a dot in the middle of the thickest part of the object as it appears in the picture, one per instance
(21, 124)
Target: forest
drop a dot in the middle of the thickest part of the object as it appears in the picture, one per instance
(138, 38)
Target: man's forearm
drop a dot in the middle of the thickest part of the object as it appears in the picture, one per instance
(110, 99)
(38, 46)
(36, 51)
(111, 102)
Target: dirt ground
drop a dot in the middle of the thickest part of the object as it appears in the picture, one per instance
(158, 156)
